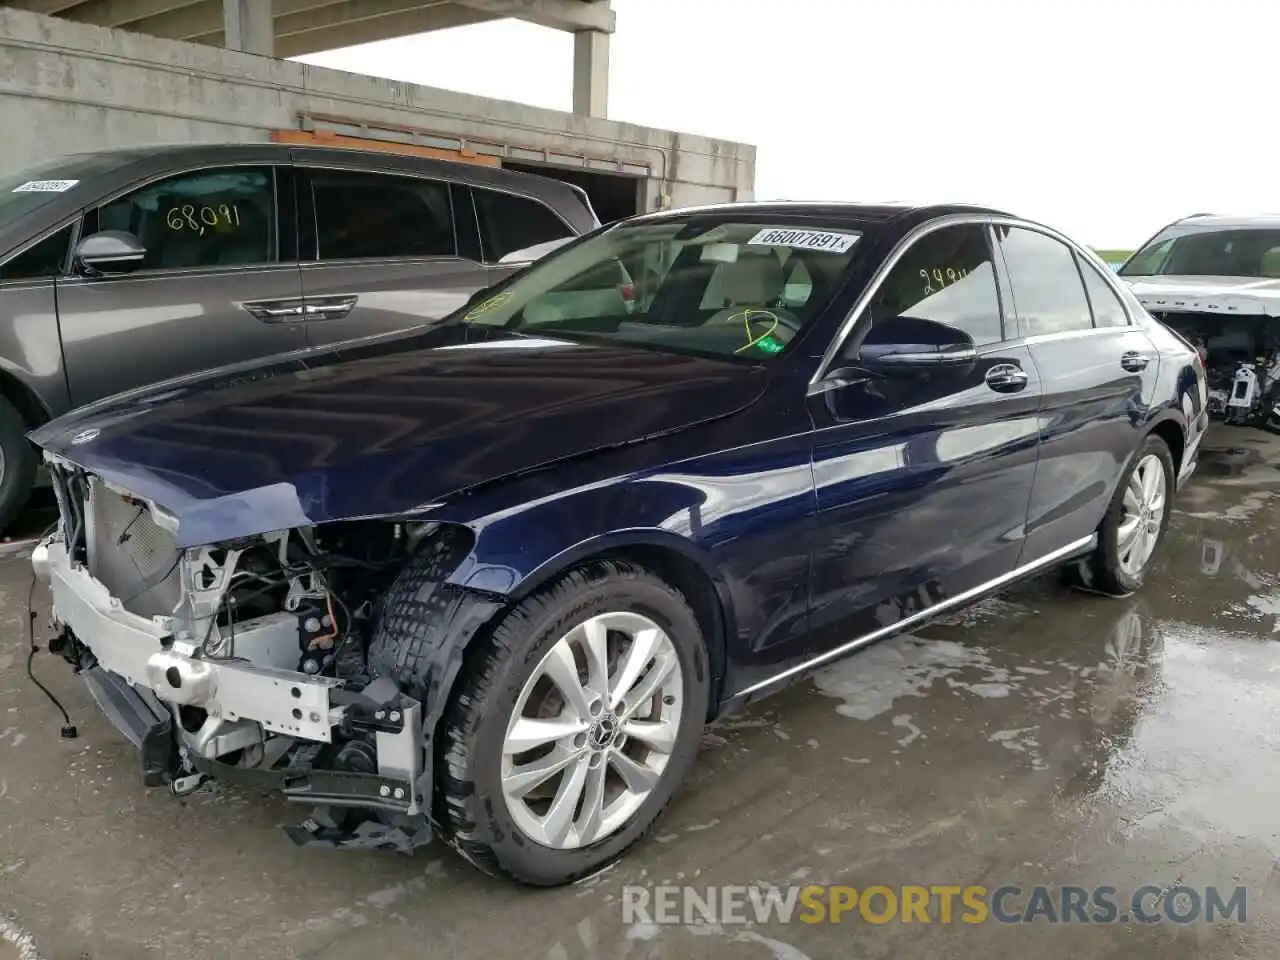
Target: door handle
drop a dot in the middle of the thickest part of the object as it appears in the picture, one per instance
(1133, 361)
(273, 311)
(1006, 378)
(331, 308)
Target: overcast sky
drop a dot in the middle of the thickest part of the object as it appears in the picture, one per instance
(1104, 118)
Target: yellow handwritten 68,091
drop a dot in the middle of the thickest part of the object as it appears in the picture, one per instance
(939, 278)
(198, 219)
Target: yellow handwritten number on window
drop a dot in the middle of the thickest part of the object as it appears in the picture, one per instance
(189, 217)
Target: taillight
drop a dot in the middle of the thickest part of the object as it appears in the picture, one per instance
(628, 292)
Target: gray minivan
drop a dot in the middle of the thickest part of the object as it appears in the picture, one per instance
(121, 268)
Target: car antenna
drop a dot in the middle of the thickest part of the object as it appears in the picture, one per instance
(68, 731)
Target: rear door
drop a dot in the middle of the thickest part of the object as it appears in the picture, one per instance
(923, 478)
(1099, 377)
(219, 284)
(383, 252)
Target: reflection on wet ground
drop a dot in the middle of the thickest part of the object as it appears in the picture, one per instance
(1040, 737)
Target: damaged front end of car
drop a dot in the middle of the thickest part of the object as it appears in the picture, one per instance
(244, 660)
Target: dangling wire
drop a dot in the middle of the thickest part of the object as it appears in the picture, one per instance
(746, 316)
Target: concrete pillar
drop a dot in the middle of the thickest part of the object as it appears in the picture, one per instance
(591, 73)
(248, 27)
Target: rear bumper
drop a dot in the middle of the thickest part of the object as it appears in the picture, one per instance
(141, 675)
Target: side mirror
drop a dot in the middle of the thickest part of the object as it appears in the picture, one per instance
(528, 255)
(110, 250)
(907, 344)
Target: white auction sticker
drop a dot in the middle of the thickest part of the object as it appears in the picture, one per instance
(805, 239)
(45, 186)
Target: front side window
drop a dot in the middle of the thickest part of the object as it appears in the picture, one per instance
(1048, 293)
(374, 216)
(40, 261)
(946, 276)
(220, 217)
(1208, 253)
(509, 223)
(703, 283)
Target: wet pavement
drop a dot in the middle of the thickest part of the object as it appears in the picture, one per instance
(1039, 738)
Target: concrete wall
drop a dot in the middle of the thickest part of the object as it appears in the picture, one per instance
(68, 87)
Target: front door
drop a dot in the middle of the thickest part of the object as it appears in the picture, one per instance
(1099, 373)
(218, 285)
(923, 478)
(383, 252)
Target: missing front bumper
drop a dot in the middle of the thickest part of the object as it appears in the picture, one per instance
(357, 756)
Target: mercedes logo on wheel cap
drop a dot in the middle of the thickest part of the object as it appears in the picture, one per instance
(84, 436)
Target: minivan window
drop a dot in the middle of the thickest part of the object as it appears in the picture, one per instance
(1048, 293)
(361, 216)
(40, 261)
(207, 218)
(509, 223)
(647, 284)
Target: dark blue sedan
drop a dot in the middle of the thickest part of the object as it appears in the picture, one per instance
(489, 578)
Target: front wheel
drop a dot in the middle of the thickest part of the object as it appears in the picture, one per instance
(574, 725)
(1133, 527)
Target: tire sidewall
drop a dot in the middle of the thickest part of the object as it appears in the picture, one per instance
(529, 861)
(1111, 527)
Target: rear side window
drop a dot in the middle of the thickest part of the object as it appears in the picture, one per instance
(1108, 311)
(44, 260)
(1048, 293)
(509, 223)
(364, 216)
(208, 218)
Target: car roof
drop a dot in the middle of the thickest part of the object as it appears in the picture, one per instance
(1260, 221)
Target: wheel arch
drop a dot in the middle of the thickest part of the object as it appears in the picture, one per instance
(676, 560)
(24, 399)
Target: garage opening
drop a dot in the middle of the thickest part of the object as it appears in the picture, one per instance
(613, 195)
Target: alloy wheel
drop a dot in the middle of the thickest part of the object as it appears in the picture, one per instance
(592, 730)
(1145, 502)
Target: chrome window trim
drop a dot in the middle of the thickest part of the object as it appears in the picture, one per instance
(41, 238)
(941, 223)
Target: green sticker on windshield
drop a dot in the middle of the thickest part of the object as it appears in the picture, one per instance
(769, 345)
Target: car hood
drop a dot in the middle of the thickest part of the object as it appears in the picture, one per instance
(383, 428)
(1228, 295)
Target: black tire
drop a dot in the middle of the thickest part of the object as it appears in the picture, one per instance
(1101, 571)
(20, 463)
(474, 814)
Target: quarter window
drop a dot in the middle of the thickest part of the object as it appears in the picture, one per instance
(946, 276)
(1048, 294)
(43, 260)
(509, 223)
(363, 216)
(211, 218)
(1108, 311)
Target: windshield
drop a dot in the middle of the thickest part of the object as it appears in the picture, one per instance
(28, 189)
(736, 289)
(1209, 253)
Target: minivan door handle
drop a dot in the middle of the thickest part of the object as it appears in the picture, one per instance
(1006, 378)
(1133, 361)
(273, 311)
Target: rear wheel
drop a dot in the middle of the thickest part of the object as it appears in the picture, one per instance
(574, 725)
(17, 464)
(1133, 527)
